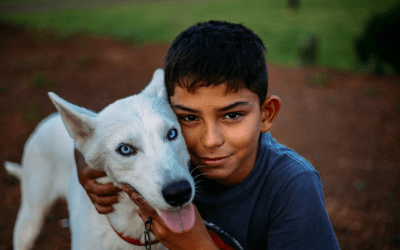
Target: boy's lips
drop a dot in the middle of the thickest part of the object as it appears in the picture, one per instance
(214, 161)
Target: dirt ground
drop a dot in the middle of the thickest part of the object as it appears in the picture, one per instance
(346, 124)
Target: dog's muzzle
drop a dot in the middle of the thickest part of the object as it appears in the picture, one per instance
(177, 193)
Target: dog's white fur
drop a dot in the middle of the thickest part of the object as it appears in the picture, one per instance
(48, 167)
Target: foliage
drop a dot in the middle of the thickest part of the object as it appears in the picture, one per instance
(31, 112)
(377, 46)
(308, 50)
(320, 79)
(11, 179)
(41, 82)
(293, 4)
(335, 22)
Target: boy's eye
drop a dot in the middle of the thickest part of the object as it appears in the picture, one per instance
(233, 116)
(189, 118)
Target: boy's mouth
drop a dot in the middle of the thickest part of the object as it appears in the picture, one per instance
(214, 161)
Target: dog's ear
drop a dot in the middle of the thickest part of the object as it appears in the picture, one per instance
(78, 121)
(156, 86)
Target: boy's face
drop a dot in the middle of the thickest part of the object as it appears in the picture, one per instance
(221, 129)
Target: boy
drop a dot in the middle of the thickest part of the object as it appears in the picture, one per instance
(252, 192)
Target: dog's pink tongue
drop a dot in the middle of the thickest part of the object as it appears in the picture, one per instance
(179, 220)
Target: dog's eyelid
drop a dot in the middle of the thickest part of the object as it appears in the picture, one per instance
(172, 136)
(134, 150)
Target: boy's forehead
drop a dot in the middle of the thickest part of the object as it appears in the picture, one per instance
(204, 94)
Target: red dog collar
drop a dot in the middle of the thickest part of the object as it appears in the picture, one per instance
(132, 240)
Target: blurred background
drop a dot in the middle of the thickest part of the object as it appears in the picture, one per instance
(334, 64)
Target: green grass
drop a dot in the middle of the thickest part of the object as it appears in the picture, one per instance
(335, 22)
(21, 1)
(360, 185)
(81, 63)
(319, 79)
(371, 91)
(333, 101)
(31, 112)
(11, 179)
(41, 82)
(20, 66)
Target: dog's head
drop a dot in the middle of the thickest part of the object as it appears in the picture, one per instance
(136, 141)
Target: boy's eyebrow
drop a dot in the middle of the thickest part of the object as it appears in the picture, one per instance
(231, 106)
(234, 105)
(185, 108)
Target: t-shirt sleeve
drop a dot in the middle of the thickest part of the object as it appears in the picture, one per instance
(299, 218)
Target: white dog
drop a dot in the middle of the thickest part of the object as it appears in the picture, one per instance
(136, 141)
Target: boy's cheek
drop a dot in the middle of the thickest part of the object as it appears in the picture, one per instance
(189, 134)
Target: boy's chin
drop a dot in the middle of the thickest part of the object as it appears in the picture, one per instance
(218, 175)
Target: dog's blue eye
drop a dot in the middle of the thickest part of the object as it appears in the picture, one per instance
(172, 134)
(125, 150)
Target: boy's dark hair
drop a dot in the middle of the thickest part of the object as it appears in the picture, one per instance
(214, 52)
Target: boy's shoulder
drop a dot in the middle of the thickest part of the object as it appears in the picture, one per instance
(281, 164)
(278, 154)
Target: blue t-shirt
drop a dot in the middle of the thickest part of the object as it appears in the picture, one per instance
(280, 205)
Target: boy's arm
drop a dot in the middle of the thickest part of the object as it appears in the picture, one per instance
(103, 196)
(300, 220)
(195, 238)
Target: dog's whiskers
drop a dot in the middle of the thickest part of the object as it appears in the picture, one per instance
(195, 184)
(148, 207)
(201, 166)
(202, 174)
(137, 196)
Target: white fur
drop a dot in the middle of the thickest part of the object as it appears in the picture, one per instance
(49, 170)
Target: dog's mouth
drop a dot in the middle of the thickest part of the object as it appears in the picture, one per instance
(179, 220)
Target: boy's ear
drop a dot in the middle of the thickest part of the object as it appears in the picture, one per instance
(78, 121)
(156, 86)
(269, 111)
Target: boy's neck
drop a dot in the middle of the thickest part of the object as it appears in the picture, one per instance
(210, 186)
(213, 186)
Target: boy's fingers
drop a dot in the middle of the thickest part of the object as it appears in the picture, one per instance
(145, 207)
(93, 173)
(139, 201)
(145, 216)
(102, 189)
(88, 172)
(103, 209)
(79, 159)
(158, 227)
(104, 200)
(127, 189)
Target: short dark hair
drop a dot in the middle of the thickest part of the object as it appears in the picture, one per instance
(214, 52)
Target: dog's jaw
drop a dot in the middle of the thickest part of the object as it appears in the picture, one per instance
(125, 208)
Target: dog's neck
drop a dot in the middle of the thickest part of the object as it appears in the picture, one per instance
(131, 228)
(133, 241)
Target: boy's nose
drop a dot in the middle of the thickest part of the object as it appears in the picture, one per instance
(177, 193)
(212, 137)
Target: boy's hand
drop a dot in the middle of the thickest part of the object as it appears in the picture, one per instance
(103, 196)
(195, 238)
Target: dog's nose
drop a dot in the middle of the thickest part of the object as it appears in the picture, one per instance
(177, 193)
